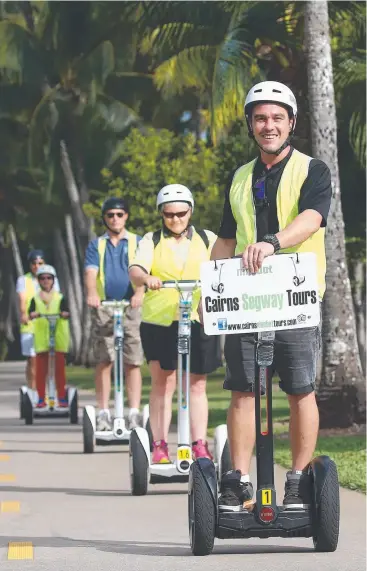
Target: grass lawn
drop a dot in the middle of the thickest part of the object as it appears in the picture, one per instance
(348, 451)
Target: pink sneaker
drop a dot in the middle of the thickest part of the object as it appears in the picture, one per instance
(160, 452)
(200, 450)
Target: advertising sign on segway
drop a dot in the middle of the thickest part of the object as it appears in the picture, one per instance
(282, 295)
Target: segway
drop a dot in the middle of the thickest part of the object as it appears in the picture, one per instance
(119, 434)
(29, 397)
(264, 518)
(142, 471)
(218, 286)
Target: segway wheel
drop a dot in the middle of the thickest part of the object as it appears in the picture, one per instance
(225, 461)
(326, 519)
(27, 410)
(73, 411)
(201, 513)
(139, 466)
(88, 434)
(21, 404)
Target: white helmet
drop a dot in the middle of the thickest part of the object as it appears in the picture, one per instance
(272, 92)
(46, 269)
(175, 193)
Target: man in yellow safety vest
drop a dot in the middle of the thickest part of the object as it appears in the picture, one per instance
(277, 202)
(107, 278)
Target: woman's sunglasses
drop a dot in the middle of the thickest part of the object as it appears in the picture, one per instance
(171, 215)
(112, 214)
(44, 278)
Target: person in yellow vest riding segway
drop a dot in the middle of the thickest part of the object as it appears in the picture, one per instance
(106, 265)
(49, 301)
(278, 202)
(174, 253)
(26, 288)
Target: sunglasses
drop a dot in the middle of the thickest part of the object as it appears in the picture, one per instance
(45, 278)
(259, 191)
(112, 214)
(171, 215)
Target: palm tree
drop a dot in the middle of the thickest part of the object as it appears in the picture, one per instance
(212, 50)
(341, 392)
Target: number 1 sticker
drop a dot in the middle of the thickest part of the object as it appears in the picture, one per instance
(266, 497)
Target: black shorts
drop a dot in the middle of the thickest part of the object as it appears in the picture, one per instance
(160, 344)
(296, 353)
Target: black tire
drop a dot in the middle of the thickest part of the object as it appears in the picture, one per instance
(73, 411)
(27, 409)
(21, 404)
(148, 428)
(139, 466)
(201, 514)
(326, 520)
(88, 434)
(225, 461)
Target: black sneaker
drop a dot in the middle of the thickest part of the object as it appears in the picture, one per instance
(297, 491)
(234, 492)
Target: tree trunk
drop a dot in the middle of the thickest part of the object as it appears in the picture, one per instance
(79, 218)
(341, 393)
(359, 290)
(74, 264)
(16, 255)
(63, 272)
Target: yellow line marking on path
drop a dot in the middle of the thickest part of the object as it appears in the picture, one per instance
(7, 478)
(9, 507)
(20, 550)
(4, 457)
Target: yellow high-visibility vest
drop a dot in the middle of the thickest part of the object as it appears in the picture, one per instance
(242, 204)
(30, 292)
(41, 326)
(132, 242)
(160, 306)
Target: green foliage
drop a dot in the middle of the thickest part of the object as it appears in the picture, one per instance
(149, 160)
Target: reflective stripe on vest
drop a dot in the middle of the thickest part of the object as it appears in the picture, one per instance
(132, 241)
(30, 292)
(41, 326)
(242, 204)
(160, 306)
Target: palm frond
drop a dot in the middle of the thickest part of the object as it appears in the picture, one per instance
(20, 60)
(190, 68)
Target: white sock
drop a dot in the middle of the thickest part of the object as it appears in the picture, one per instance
(245, 478)
(105, 411)
(133, 411)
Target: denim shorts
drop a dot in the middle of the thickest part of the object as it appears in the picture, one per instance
(296, 354)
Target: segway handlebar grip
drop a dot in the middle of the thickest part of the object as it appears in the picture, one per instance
(114, 303)
(183, 285)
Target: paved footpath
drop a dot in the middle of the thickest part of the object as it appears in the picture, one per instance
(75, 512)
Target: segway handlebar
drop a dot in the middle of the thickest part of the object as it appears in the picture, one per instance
(114, 303)
(48, 316)
(183, 285)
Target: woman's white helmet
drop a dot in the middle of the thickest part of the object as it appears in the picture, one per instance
(46, 269)
(270, 92)
(175, 193)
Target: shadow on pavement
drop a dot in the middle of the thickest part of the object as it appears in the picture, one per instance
(165, 549)
(86, 492)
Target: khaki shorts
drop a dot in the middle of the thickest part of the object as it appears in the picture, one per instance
(102, 336)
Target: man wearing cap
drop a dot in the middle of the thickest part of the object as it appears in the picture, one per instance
(26, 287)
(107, 278)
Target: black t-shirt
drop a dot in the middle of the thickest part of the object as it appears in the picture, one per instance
(315, 195)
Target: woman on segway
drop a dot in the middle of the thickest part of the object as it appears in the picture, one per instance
(52, 302)
(174, 252)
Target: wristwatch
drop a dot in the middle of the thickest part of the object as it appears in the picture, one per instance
(273, 240)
